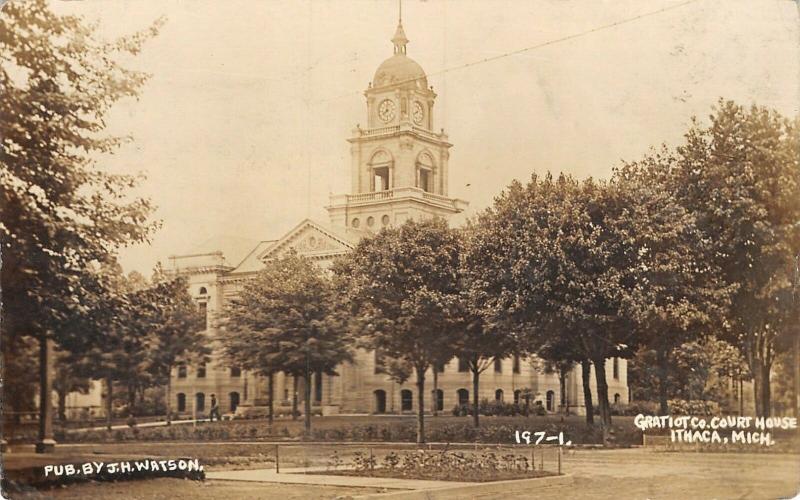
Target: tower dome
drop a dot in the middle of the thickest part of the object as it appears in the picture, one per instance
(400, 69)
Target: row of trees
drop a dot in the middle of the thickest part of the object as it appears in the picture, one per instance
(63, 218)
(134, 337)
(679, 247)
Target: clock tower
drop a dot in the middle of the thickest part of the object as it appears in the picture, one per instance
(399, 164)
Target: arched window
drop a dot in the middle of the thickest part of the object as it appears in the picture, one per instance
(203, 308)
(498, 395)
(617, 399)
(616, 368)
(380, 401)
(406, 400)
(234, 399)
(181, 371)
(381, 176)
(200, 402)
(551, 400)
(463, 396)
(516, 396)
(203, 291)
(439, 397)
(425, 169)
(181, 401)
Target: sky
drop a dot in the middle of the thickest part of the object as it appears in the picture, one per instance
(241, 130)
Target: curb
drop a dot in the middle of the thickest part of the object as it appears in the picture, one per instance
(459, 492)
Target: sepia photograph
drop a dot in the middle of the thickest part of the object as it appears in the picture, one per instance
(420, 249)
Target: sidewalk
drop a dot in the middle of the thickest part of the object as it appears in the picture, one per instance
(144, 424)
(294, 475)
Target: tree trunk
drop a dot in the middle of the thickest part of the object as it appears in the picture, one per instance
(271, 395)
(307, 403)
(294, 397)
(45, 443)
(757, 387)
(168, 401)
(796, 359)
(562, 388)
(435, 406)
(663, 370)
(109, 401)
(602, 396)
(475, 397)
(131, 400)
(586, 372)
(62, 404)
(741, 396)
(420, 406)
(766, 395)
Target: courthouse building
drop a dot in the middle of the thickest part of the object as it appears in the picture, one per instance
(399, 171)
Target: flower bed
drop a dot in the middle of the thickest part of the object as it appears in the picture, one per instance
(438, 465)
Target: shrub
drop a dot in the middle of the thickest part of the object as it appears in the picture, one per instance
(637, 407)
(693, 407)
(489, 409)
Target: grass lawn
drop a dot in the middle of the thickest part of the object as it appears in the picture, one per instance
(599, 474)
(168, 489)
(227, 456)
(445, 428)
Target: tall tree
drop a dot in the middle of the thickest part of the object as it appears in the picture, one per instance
(480, 347)
(67, 380)
(477, 341)
(284, 320)
(572, 263)
(402, 290)
(741, 177)
(682, 297)
(109, 338)
(177, 327)
(59, 212)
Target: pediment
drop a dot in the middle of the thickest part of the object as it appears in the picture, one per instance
(309, 239)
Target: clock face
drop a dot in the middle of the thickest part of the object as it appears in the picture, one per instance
(386, 110)
(418, 113)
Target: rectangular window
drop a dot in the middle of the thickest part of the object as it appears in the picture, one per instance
(498, 365)
(616, 368)
(516, 363)
(439, 367)
(318, 387)
(424, 180)
(463, 365)
(236, 371)
(203, 306)
(201, 371)
(378, 363)
(181, 371)
(381, 179)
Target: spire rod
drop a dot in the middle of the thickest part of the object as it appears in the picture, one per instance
(399, 39)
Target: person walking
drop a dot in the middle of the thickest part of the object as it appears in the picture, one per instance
(214, 409)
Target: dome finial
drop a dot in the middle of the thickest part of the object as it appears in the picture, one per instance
(399, 39)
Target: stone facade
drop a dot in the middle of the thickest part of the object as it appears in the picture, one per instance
(399, 171)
